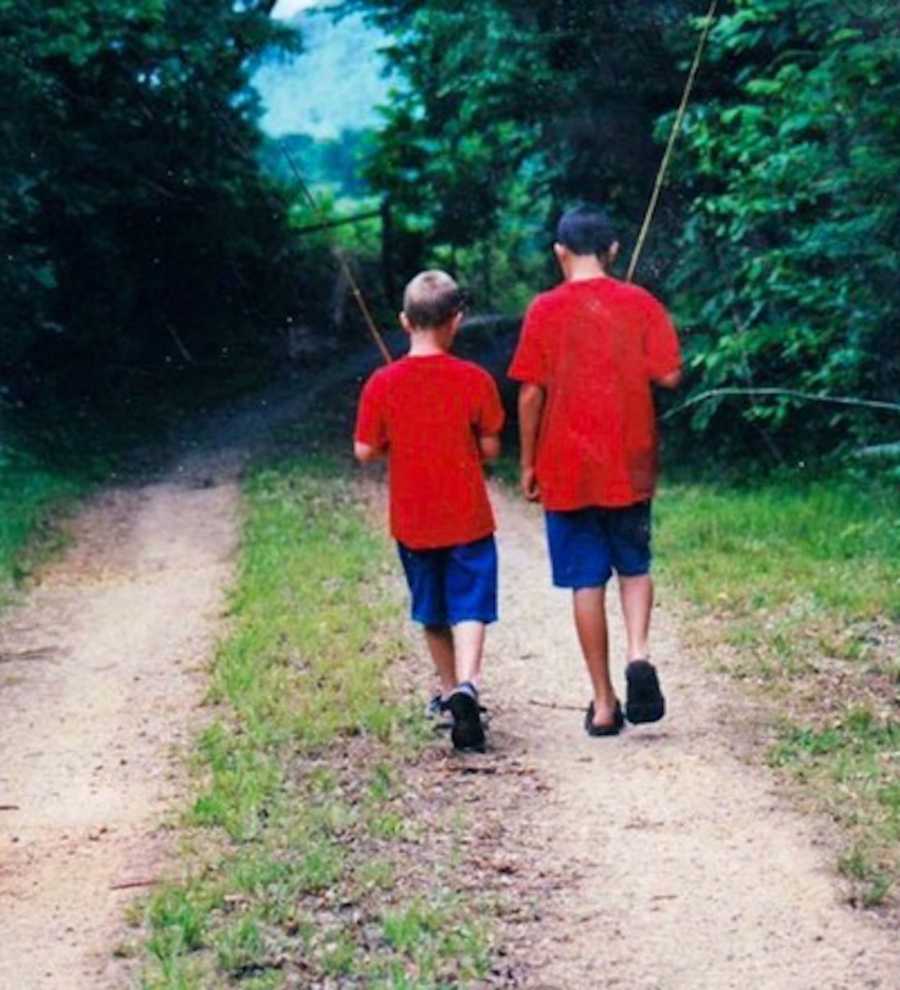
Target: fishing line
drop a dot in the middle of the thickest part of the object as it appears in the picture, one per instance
(676, 128)
(343, 263)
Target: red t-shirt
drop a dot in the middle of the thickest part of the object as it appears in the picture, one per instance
(595, 345)
(428, 412)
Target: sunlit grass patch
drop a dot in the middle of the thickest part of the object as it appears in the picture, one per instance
(855, 765)
(443, 950)
(303, 799)
(833, 543)
(796, 591)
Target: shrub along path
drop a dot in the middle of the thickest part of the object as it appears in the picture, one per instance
(689, 870)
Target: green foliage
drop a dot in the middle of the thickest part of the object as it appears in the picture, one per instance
(31, 487)
(781, 200)
(505, 111)
(787, 273)
(138, 234)
(834, 542)
(336, 163)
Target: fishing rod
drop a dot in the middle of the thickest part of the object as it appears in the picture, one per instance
(324, 222)
(676, 128)
(344, 264)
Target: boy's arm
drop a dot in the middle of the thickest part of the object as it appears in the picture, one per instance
(671, 380)
(365, 452)
(488, 418)
(662, 347)
(489, 445)
(531, 408)
(529, 366)
(370, 439)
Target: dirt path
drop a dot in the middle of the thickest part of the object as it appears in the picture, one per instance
(102, 675)
(689, 871)
(692, 873)
(101, 679)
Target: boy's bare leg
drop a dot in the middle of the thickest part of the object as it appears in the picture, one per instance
(468, 641)
(636, 594)
(590, 621)
(440, 646)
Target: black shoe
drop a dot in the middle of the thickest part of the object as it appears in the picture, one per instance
(604, 730)
(645, 701)
(467, 732)
(438, 712)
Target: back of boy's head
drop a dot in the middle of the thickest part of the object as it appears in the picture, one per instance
(586, 229)
(431, 299)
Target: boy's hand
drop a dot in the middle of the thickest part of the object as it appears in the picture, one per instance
(365, 452)
(529, 484)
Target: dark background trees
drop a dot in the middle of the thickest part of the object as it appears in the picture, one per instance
(139, 235)
(150, 232)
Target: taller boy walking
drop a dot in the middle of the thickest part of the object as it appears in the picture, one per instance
(587, 356)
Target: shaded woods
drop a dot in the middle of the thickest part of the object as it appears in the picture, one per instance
(145, 245)
(140, 238)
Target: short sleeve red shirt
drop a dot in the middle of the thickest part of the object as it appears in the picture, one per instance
(595, 345)
(428, 413)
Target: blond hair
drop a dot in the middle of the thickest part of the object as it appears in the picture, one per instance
(431, 299)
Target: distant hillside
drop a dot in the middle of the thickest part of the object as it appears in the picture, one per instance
(334, 85)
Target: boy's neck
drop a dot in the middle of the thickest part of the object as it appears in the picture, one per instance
(582, 267)
(428, 343)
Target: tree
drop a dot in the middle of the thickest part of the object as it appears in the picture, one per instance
(787, 271)
(138, 230)
(504, 104)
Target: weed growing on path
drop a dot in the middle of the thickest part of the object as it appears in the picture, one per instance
(323, 834)
(797, 593)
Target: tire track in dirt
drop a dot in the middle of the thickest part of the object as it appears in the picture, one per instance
(102, 674)
(126, 622)
(692, 871)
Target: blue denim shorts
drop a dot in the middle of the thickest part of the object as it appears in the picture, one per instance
(452, 584)
(587, 545)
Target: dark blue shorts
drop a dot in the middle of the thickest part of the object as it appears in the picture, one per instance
(587, 545)
(452, 584)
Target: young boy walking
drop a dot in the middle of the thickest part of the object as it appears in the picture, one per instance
(437, 419)
(587, 356)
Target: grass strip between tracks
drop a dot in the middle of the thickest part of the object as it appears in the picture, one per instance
(312, 853)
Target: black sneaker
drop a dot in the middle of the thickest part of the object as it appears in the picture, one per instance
(467, 732)
(438, 711)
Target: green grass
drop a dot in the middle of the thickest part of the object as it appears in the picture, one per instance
(31, 488)
(835, 545)
(53, 454)
(796, 591)
(299, 843)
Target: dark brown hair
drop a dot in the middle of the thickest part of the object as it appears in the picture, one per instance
(586, 229)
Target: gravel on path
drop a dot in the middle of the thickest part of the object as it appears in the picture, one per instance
(693, 872)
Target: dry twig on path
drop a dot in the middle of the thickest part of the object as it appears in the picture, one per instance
(556, 705)
(43, 653)
(129, 884)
